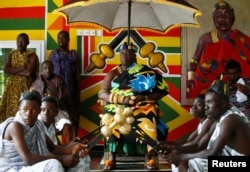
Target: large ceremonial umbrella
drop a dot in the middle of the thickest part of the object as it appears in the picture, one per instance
(159, 15)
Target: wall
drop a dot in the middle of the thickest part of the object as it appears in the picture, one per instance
(36, 18)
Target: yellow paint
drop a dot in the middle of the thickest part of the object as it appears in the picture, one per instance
(164, 41)
(84, 121)
(53, 34)
(12, 34)
(51, 18)
(160, 41)
(59, 3)
(87, 93)
(73, 40)
(173, 59)
(47, 54)
(22, 3)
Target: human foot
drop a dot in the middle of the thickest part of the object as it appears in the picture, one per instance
(109, 165)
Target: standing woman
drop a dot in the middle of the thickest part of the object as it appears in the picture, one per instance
(21, 69)
(66, 63)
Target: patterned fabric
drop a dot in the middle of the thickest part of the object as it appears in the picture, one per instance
(213, 60)
(138, 80)
(64, 65)
(34, 138)
(242, 106)
(16, 84)
(54, 86)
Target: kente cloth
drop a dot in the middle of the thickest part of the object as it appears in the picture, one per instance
(138, 80)
(244, 107)
(64, 65)
(214, 59)
(54, 86)
(16, 84)
(201, 164)
(34, 138)
(84, 163)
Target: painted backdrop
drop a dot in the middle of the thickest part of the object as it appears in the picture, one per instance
(36, 19)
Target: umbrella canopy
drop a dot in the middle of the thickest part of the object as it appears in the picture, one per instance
(159, 15)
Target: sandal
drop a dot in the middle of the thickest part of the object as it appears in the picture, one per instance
(109, 165)
(150, 165)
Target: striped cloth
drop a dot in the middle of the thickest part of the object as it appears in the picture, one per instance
(34, 138)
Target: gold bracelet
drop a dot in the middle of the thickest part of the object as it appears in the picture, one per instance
(191, 75)
(121, 99)
(101, 91)
(115, 98)
(111, 97)
(193, 60)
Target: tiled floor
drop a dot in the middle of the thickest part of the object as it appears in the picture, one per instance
(98, 158)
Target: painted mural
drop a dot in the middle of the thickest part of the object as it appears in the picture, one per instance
(38, 20)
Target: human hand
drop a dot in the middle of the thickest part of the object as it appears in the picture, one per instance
(80, 140)
(80, 150)
(69, 160)
(165, 149)
(174, 157)
(140, 98)
(243, 89)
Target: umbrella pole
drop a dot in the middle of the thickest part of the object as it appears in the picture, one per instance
(129, 19)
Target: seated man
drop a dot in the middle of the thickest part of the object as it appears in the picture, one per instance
(139, 88)
(50, 84)
(231, 136)
(199, 138)
(25, 147)
(239, 87)
(49, 110)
